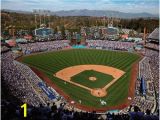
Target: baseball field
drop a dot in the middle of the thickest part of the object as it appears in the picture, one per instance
(96, 79)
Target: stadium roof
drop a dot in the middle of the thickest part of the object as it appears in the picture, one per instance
(154, 35)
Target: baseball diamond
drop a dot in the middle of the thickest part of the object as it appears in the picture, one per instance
(68, 74)
(87, 75)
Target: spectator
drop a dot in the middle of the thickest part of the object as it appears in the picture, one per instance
(136, 114)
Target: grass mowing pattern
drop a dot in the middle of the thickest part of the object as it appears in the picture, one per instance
(52, 62)
(83, 79)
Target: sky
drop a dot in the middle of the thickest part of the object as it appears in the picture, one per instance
(128, 6)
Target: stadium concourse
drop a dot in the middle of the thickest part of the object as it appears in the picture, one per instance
(21, 85)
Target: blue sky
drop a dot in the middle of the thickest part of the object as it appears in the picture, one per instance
(133, 6)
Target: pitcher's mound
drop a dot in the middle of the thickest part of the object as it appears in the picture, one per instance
(92, 78)
(98, 92)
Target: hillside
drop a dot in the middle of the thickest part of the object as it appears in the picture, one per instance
(73, 23)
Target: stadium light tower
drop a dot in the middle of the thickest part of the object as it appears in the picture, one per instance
(104, 20)
(144, 35)
(42, 16)
(40, 12)
(49, 12)
(35, 14)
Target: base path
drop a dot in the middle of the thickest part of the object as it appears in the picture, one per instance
(66, 74)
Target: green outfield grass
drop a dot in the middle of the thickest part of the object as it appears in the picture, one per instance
(52, 62)
(83, 79)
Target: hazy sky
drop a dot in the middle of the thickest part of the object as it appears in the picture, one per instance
(134, 6)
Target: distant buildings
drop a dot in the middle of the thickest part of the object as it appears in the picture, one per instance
(43, 33)
(100, 32)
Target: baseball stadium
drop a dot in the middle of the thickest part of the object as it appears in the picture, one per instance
(78, 68)
(95, 79)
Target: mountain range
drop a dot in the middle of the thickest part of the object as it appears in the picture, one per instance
(95, 13)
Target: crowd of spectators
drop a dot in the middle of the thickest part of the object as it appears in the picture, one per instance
(143, 103)
(113, 45)
(43, 46)
(144, 70)
(4, 49)
(153, 57)
(52, 112)
(32, 79)
(145, 73)
(16, 82)
(151, 45)
(148, 69)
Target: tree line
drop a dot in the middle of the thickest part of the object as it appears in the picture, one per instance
(74, 23)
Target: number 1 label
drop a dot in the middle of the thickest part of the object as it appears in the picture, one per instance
(25, 109)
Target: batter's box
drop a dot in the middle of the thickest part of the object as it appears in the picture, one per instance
(93, 79)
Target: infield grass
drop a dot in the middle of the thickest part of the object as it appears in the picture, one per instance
(83, 79)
